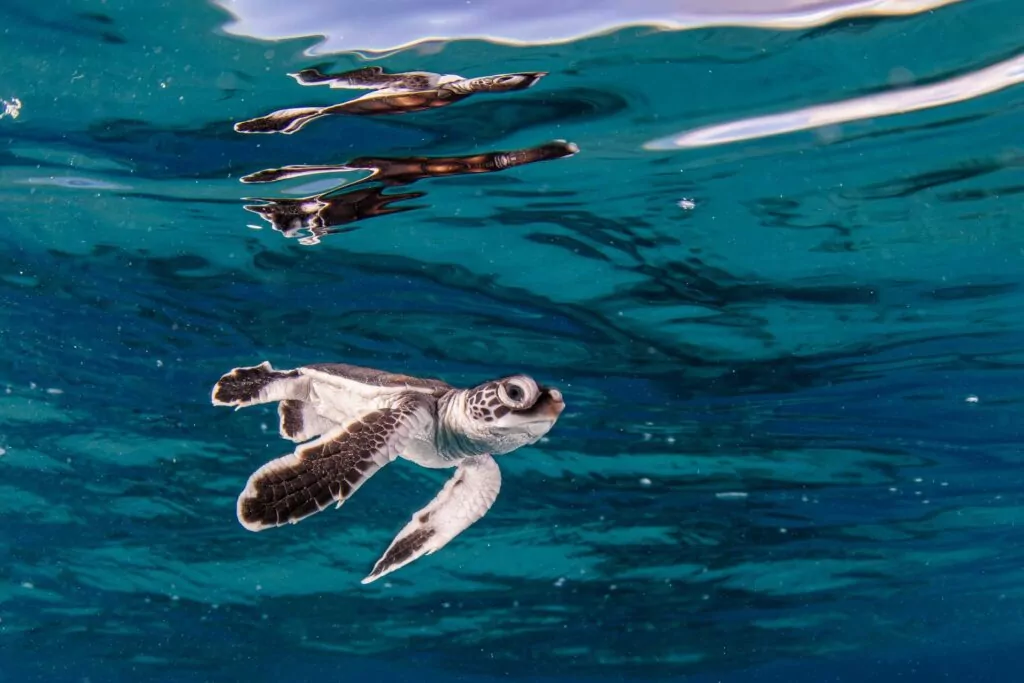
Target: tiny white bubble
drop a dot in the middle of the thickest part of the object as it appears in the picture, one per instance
(686, 204)
(54, 391)
(174, 598)
(971, 399)
(645, 481)
(945, 483)
(264, 617)
(446, 605)
(560, 582)
(259, 587)
(159, 363)
(783, 530)
(27, 584)
(3, 451)
(918, 480)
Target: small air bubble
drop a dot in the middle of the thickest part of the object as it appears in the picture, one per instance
(971, 399)
(645, 481)
(54, 391)
(159, 363)
(560, 582)
(27, 584)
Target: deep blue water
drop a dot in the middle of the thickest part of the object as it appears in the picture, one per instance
(792, 362)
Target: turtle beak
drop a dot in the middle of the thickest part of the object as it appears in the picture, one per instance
(551, 403)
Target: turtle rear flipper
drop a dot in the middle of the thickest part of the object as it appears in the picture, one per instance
(259, 384)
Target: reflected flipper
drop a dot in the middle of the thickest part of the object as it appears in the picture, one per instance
(368, 78)
(272, 175)
(465, 498)
(285, 121)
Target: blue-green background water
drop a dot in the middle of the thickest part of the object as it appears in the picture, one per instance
(834, 329)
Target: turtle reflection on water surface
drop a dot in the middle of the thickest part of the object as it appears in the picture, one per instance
(399, 93)
(320, 214)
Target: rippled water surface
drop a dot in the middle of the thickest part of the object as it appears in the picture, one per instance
(776, 271)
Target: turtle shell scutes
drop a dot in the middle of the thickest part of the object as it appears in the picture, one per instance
(380, 378)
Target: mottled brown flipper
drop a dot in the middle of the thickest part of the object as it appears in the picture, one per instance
(300, 421)
(465, 498)
(259, 384)
(332, 468)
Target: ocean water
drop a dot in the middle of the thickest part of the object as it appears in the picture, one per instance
(775, 268)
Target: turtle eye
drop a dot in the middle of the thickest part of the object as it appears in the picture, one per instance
(517, 393)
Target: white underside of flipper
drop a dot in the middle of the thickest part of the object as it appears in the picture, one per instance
(465, 498)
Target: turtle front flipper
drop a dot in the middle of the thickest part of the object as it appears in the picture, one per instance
(332, 468)
(465, 498)
(285, 121)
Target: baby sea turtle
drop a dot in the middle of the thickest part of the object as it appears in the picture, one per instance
(393, 94)
(364, 419)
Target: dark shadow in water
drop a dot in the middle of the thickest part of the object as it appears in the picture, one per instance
(321, 214)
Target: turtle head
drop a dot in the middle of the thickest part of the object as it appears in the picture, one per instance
(502, 82)
(505, 414)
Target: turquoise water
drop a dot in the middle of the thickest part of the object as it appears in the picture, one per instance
(792, 362)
